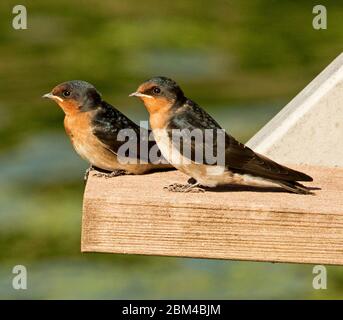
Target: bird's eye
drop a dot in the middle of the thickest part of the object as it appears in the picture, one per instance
(66, 93)
(156, 90)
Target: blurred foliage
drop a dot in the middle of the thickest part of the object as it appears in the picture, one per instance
(241, 60)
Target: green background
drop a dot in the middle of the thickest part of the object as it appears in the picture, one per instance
(241, 60)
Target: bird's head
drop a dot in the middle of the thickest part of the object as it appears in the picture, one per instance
(75, 96)
(159, 93)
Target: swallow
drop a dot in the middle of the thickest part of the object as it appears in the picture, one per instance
(171, 111)
(93, 126)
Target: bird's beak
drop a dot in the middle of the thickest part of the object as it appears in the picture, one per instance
(48, 95)
(139, 95)
(51, 96)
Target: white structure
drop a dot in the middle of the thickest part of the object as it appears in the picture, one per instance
(309, 130)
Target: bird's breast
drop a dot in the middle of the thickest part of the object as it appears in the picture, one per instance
(168, 149)
(79, 130)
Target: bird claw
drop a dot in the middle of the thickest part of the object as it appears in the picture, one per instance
(115, 173)
(178, 187)
(85, 177)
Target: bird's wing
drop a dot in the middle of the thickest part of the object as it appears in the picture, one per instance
(107, 125)
(243, 160)
(238, 157)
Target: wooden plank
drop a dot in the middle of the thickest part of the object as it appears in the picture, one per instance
(133, 214)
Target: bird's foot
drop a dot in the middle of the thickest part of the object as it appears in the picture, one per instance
(115, 173)
(85, 177)
(191, 186)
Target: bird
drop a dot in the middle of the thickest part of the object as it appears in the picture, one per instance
(94, 127)
(171, 112)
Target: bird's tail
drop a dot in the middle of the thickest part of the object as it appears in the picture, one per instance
(293, 186)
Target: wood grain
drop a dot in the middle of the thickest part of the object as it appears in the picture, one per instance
(133, 214)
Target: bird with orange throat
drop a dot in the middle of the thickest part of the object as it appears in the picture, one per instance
(94, 126)
(171, 113)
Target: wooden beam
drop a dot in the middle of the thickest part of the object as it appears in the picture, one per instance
(133, 214)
